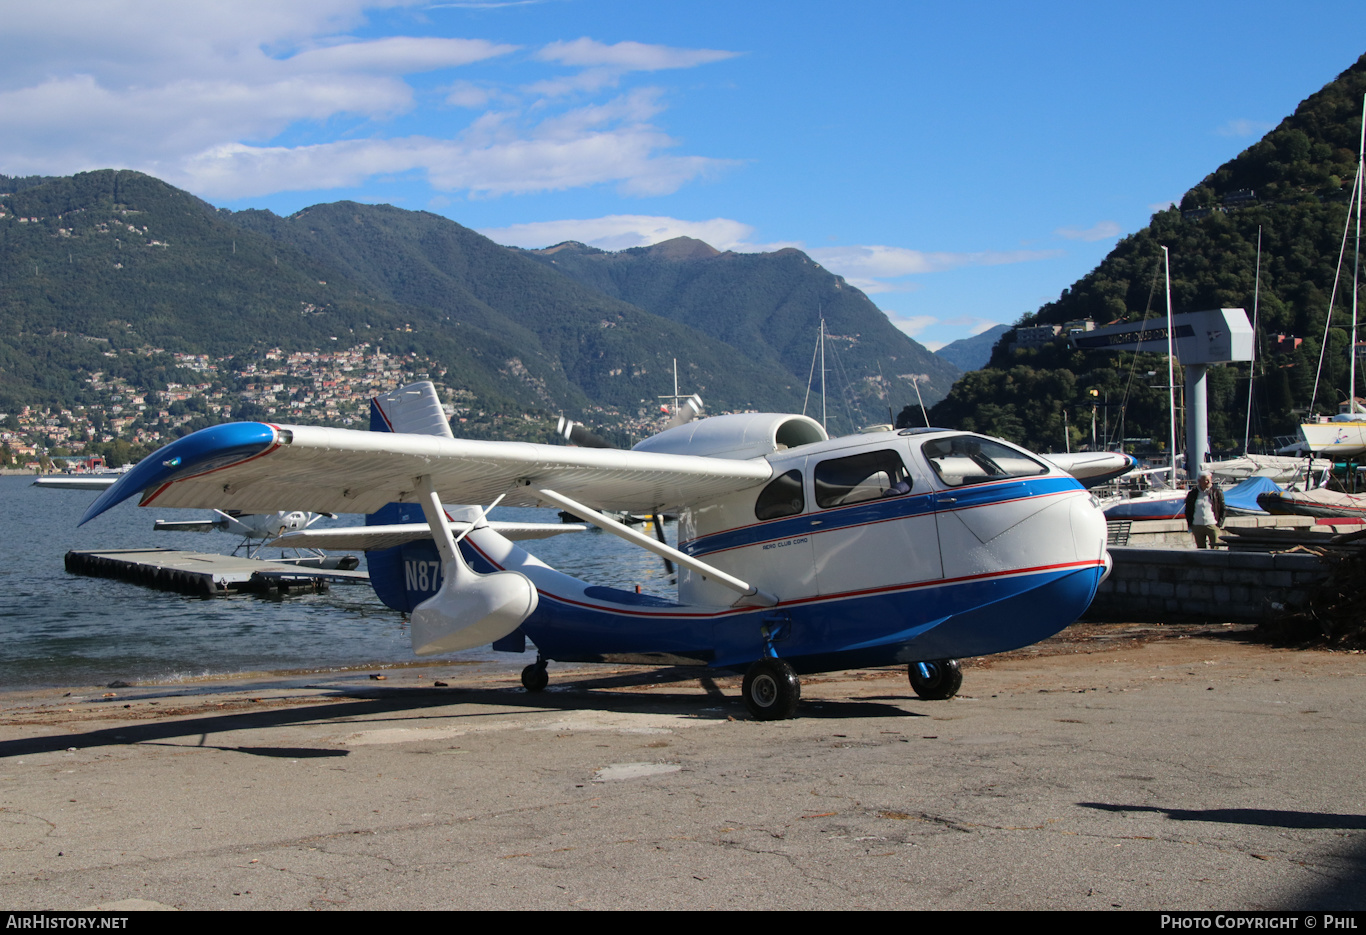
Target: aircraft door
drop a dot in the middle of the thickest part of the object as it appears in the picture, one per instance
(782, 558)
(872, 522)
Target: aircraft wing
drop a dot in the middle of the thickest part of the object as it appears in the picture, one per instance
(1093, 467)
(254, 467)
(386, 537)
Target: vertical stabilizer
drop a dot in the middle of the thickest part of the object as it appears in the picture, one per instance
(406, 575)
(411, 410)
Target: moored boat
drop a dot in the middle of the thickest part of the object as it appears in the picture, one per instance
(1323, 504)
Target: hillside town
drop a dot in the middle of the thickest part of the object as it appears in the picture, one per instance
(124, 422)
(318, 388)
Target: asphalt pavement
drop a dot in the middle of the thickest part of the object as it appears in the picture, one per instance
(1113, 768)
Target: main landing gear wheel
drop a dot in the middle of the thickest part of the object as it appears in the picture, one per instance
(535, 678)
(936, 681)
(771, 690)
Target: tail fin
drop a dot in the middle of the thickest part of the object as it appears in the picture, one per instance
(406, 575)
(410, 410)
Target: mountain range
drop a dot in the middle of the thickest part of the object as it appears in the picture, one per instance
(120, 259)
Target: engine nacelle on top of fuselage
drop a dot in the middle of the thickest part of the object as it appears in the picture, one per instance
(889, 511)
(740, 436)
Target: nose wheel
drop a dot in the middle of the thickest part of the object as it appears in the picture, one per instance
(936, 681)
(534, 676)
(772, 690)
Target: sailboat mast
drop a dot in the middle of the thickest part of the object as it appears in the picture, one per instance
(1171, 370)
(1252, 364)
(1356, 263)
(822, 345)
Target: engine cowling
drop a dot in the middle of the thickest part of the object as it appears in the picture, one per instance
(739, 437)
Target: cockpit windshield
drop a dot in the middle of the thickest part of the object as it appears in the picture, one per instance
(969, 459)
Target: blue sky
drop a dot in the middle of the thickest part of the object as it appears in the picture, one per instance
(961, 162)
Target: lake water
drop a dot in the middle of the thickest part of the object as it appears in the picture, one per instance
(63, 629)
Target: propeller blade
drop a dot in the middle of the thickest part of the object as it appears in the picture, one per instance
(685, 413)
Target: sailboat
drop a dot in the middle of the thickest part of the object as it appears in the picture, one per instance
(1344, 435)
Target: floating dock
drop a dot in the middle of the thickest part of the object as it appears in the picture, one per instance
(204, 574)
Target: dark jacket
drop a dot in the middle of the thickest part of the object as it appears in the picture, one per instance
(1215, 493)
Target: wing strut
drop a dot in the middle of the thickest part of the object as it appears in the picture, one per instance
(589, 515)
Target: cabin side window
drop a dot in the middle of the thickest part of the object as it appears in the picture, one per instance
(783, 496)
(967, 459)
(868, 476)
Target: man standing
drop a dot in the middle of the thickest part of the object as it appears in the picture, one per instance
(1205, 512)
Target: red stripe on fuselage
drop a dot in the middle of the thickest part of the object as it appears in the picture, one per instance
(916, 585)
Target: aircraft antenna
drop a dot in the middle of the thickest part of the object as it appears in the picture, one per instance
(915, 381)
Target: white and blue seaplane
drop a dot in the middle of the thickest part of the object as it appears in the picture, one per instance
(797, 553)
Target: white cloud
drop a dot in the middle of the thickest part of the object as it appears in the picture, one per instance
(585, 82)
(870, 267)
(158, 127)
(622, 231)
(866, 267)
(490, 160)
(148, 42)
(604, 65)
(202, 95)
(484, 4)
(1244, 128)
(1102, 230)
(628, 56)
(912, 325)
(468, 94)
(404, 55)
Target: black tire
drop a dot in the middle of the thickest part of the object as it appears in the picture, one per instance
(945, 678)
(535, 678)
(771, 690)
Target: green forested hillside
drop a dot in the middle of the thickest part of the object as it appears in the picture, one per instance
(770, 305)
(1294, 186)
(115, 271)
(575, 343)
(122, 260)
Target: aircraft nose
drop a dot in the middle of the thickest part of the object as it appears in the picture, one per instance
(1088, 529)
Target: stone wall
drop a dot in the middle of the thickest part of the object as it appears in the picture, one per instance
(1164, 585)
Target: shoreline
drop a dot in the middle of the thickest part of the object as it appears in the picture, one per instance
(1094, 637)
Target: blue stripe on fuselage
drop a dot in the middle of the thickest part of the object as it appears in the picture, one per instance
(879, 511)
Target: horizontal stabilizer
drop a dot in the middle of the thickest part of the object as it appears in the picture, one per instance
(78, 482)
(189, 525)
